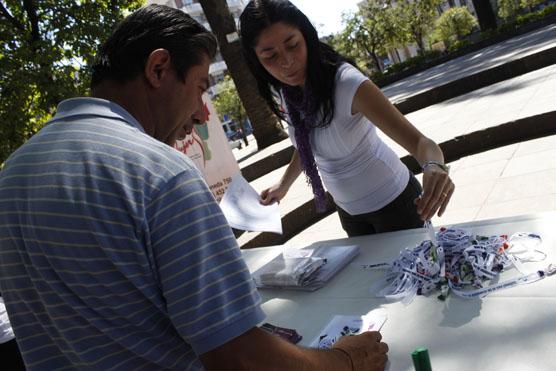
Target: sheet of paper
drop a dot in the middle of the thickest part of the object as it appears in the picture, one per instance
(346, 325)
(243, 210)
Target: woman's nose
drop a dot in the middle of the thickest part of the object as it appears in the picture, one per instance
(287, 61)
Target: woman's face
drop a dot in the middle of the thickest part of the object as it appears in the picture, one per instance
(282, 51)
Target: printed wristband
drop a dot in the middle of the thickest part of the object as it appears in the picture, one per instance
(461, 263)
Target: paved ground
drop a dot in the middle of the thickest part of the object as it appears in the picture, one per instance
(512, 180)
(495, 55)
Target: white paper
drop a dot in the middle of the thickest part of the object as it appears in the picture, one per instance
(242, 208)
(346, 325)
(6, 332)
(430, 232)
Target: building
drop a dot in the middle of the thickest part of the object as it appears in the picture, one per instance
(218, 68)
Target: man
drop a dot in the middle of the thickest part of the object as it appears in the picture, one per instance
(114, 254)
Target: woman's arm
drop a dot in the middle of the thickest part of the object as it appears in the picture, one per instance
(437, 185)
(279, 190)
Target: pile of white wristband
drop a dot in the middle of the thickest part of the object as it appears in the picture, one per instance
(461, 263)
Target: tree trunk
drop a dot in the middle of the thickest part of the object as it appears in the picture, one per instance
(376, 62)
(485, 13)
(266, 127)
(419, 41)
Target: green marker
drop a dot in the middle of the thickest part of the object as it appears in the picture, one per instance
(421, 359)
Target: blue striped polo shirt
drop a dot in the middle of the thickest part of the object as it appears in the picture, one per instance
(113, 251)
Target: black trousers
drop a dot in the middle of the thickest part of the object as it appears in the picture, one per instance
(397, 215)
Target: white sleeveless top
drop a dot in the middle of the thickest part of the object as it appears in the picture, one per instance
(358, 169)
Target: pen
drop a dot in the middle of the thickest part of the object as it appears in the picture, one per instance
(421, 359)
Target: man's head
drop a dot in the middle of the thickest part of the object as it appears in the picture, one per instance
(164, 55)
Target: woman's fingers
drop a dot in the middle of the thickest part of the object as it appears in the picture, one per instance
(437, 191)
(269, 196)
(265, 198)
(446, 200)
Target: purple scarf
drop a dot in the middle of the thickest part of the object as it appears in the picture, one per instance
(301, 109)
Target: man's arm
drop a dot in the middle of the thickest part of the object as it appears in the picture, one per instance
(258, 350)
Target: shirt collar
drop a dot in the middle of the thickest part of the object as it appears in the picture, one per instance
(94, 107)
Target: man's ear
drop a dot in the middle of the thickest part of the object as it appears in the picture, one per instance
(157, 67)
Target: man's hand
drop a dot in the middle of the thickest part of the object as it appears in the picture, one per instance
(367, 352)
(258, 350)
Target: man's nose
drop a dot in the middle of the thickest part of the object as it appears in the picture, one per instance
(199, 115)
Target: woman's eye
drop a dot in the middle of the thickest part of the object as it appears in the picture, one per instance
(291, 47)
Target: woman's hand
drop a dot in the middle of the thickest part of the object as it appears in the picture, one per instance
(273, 194)
(437, 191)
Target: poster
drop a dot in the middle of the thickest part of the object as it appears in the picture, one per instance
(208, 147)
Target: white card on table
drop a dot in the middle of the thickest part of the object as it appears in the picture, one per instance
(346, 325)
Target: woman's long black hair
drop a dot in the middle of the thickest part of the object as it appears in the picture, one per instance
(322, 60)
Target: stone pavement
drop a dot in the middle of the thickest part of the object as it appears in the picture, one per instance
(494, 55)
(512, 180)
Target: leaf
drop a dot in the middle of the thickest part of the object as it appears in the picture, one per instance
(35, 75)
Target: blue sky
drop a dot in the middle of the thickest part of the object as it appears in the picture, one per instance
(326, 12)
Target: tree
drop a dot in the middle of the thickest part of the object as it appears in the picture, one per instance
(455, 23)
(266, 127)
(485, 13)
(340, 42)
(227, 103)
(370, 30)
(507, 9)
(46, 48)
(418, 18)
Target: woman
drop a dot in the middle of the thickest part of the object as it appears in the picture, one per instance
(333, 111)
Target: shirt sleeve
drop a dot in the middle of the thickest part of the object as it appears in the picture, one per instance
(210, 295)
(348, 80)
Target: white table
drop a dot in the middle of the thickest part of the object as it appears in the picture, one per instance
(512, 329)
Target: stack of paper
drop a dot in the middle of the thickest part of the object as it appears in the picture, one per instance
(304, 269)
(290, 271)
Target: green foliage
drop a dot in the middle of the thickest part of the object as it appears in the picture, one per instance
(458, 44)
(547, 10)
(507, 9)
(417, 18)
(414, 61)
(526, 18)
(455, 23)
(368, 32)
(45, 50)
(529, 4)
(227, 102)
(431, 55)
(340, 43)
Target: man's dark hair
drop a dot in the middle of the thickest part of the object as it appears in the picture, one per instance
(123, 56)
